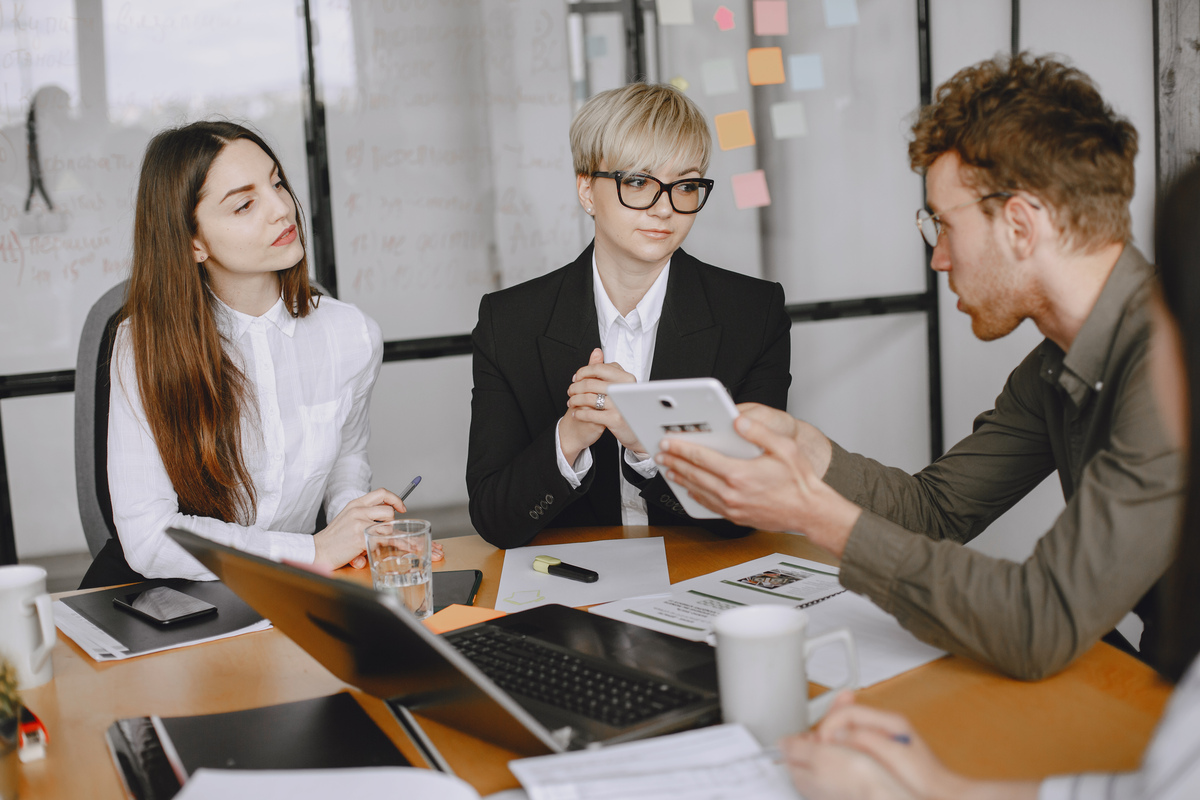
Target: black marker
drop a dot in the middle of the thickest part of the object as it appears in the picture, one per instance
(554, 566)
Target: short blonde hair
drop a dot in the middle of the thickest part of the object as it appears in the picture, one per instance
(641, 126)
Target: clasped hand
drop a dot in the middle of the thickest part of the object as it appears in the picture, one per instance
(583, 423)
(343, 541)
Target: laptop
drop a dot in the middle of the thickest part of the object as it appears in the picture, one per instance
(539, 681)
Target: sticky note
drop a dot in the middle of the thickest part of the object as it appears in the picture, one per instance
(718, 76)
(750, 190)
(839, 13)
(597, 46)
(724, 19)
(680, 83)
(787, 120)
(733, 130)
(675, 12)
(456, 616)
(770, 18)
(765, 64)
(806, 71)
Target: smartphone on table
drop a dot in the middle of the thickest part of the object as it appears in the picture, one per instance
(698, 410)
(163, 605)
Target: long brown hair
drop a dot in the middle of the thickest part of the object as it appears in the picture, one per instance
(194, 395)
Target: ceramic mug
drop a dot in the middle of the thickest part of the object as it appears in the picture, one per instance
(27, 632)
(762, 669)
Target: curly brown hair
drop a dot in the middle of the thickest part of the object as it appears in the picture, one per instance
(1040, 126)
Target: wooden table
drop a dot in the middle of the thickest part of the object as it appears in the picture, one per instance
(1096, 715)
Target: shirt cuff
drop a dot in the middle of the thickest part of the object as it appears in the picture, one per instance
(297, 547)
(646, 467)
(583, 463)
(869, 560)
(1091, 785)
(843, 473)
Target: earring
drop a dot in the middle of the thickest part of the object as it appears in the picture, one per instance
(589, 210)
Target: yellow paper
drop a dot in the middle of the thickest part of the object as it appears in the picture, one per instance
(453, 617)
(766, 65)
(733, 130)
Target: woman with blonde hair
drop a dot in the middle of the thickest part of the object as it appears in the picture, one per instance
(240, 397)
(547, 448)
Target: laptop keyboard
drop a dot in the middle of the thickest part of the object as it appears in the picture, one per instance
(589, 687)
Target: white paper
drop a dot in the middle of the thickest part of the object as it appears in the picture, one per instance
(626, 567)
(840, 13)
(323, 784)
(885, 649)
(675, 12)
(806, 72)
(102, 647)
(787, 120)
(692, 605)
(723, 761)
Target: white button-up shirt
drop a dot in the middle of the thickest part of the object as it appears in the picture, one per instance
(628, 341)
(304, 437)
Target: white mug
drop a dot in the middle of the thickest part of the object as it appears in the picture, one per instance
(27, 632)
(762, 660)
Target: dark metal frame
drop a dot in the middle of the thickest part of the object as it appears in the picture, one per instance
(322, 250)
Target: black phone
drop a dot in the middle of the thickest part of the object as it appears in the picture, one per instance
(455, 586)
(163, 605)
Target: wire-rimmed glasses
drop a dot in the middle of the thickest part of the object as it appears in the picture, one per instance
(640, 191)
(930, 225)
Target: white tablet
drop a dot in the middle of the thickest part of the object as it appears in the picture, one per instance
(696, 409)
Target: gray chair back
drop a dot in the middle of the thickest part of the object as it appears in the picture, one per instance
(91, 418)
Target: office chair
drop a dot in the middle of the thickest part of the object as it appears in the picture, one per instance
(92, 387)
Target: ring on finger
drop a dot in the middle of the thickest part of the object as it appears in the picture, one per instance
(600, 398)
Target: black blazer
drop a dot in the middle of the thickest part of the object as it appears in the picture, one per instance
(531, 339)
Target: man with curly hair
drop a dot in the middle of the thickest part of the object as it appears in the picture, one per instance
(1028, 176)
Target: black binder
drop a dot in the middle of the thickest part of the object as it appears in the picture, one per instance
(156, 755)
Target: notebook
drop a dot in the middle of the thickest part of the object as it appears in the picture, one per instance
(156, 755)
(369, 640)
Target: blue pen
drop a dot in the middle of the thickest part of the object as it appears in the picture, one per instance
(409, 489)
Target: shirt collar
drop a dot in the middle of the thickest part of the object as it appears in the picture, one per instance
(1080, 370)
(649, 309)
(233, 323)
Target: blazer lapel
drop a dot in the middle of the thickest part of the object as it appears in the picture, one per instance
(688, 338)
(572, 331)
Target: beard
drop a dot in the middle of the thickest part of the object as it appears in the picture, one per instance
(999, 301)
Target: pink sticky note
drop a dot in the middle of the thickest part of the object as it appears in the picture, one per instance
(770, 18)
(724, 18)
(750, 190)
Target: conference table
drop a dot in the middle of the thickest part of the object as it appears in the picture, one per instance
(1098, 714)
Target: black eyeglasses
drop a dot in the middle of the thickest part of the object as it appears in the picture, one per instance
(640, 191)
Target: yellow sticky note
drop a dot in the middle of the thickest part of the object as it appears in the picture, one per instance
(766, 65)
(733, 130)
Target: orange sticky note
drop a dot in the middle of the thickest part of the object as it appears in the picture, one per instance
(453, 617)
(733, 130)
(750, 190)
(766, 65)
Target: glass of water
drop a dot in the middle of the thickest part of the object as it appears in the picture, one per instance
(400, 553)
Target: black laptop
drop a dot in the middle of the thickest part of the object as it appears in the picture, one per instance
(544, 680)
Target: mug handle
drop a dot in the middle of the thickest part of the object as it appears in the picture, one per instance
(819, 705)
(42, 604)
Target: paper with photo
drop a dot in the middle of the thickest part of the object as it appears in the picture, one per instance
(626, 567)
(675, 12)
(770, 18)
(787, 120)
(839, 13)
(688, 611)
(718, 76)
(806, 71)
(765, 65)
(750, 190)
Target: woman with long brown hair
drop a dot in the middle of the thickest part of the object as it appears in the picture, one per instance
(239, 400)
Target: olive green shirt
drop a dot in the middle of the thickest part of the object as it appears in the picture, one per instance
(1088, 413)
